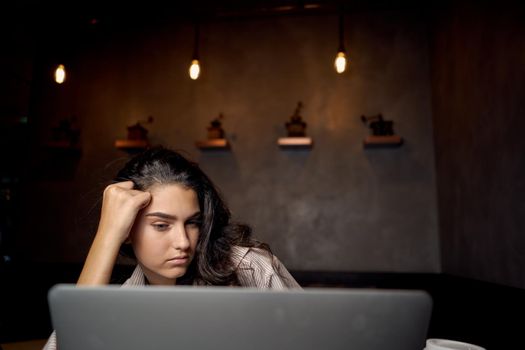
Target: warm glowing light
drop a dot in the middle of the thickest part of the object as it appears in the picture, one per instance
(60, 74)
(195, 69)
(340, 62)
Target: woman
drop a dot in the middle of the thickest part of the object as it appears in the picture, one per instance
(165, 212)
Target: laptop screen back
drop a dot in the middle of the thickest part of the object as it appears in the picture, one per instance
(201, 318)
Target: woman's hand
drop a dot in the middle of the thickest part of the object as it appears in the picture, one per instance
(120, 205)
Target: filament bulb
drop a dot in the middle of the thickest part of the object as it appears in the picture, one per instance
(195, 69)
(340, 62)
(60, 74)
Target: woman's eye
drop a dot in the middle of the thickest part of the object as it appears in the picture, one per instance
(194, 223)
(160, 227)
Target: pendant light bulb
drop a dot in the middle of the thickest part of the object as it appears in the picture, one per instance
(195, 69)
(60, 74)
(340, 58)
(340, 62)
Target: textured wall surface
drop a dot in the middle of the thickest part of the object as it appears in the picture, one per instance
(479, 106)
(334, 207)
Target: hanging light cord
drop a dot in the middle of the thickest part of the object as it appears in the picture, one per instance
(195, 66)
(341, 33)
(196, 43)
(340, 58)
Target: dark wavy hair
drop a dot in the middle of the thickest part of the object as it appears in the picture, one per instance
(212, 263)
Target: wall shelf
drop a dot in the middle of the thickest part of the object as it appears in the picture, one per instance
(131, 145)
(382, 141)
(295, 142)
(213, 144)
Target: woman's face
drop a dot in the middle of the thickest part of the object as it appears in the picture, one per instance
(166, 232)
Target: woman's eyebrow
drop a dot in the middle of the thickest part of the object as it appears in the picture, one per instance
(162, 215)
(171, 217)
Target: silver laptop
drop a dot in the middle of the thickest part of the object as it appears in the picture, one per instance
(202, 318)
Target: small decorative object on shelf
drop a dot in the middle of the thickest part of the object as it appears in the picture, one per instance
(215, 130)
(137, 137)
(296, 127)
(65, 137)
(216, 138)
(382, 133)
(296, 130)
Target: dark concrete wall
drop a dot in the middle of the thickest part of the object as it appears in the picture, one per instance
(479, 107)
(335, 207)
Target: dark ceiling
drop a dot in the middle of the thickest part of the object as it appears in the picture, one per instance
(123, 11)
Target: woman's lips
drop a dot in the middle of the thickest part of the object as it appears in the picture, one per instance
(179, 260)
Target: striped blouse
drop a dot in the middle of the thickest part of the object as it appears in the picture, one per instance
(255, 268)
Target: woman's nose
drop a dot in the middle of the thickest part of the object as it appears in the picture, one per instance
(180, 239)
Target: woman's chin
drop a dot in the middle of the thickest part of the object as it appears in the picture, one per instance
(174, 273)
(164, 276)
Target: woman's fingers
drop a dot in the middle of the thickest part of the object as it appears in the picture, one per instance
(125, 188)
(120, 206)
(122, 193)
(143, 199)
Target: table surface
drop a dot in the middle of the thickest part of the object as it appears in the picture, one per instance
(37, 344)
